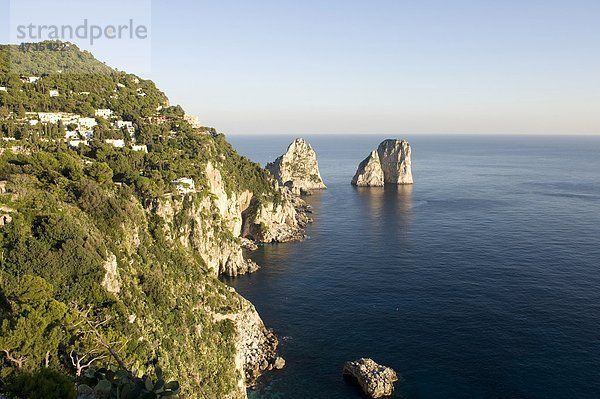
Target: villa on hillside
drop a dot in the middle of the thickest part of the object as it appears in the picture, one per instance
(117, 143)
(30, 79)
(193, 121)
(87, 123)
(54, 93)
(123, 124)
(104, 113)
(184, 185)
(142, 148)
(54, 117)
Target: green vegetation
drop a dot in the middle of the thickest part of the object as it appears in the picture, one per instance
(113, 382)
(75, 214)
(83, 83)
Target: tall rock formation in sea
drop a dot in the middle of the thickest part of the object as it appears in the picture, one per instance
(389, 164)
(298, 168)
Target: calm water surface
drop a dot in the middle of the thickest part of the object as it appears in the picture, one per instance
(480, 281)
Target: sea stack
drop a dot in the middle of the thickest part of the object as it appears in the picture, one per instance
(389, 164)
(298, 168)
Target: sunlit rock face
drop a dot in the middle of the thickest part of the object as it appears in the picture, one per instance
(298, 168)
(389, 164)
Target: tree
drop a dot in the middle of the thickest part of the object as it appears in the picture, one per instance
(101, 172)
(31, 335)
(4, 113)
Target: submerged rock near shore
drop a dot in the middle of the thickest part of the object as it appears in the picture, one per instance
(375, 380)
(389, 164)
(298, 168)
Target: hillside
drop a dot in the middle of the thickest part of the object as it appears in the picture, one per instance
(113, 235)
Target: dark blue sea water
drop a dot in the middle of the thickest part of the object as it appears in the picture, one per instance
(480, 281)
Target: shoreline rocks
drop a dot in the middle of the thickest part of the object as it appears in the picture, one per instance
(389, 164)
(375, 380)
(298, 169)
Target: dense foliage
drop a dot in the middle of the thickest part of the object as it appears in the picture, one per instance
(69, 215)
(83, 83)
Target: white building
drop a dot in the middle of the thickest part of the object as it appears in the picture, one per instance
(50, 117)
(142, 148)
(87, 123)
(2, 88)
(70, 120)
(104, 113)
(123, 124)
(33, 79)
(184, 185)
(126, 125)
(72, 135)
(33, 122)
(54, 93)
(193, 121)
(115, 143)
(76, 143)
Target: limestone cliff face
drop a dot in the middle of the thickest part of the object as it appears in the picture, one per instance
(215, 224)
(389, 164)
(231, 207)
(298, 168)
(194, 221)
(369, 172)
(256, 346)
(280, 221)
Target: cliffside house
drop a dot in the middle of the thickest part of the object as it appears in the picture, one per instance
(193, 121)
(30, 79)
(142, 148)
(76, 143)
(123, 124)
(2, 88)
(87, 123)
(184, 185)
(117, 143)
(51, 117)
(104, 113)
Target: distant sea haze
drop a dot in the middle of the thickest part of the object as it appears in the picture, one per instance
(480, 281)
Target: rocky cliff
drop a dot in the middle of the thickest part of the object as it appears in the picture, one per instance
(389, 164)
(298, 168)
(215, 224)
(130, 243)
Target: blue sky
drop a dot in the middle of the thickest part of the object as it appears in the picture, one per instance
(383, 66)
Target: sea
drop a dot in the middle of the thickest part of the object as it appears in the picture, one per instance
(482, 280)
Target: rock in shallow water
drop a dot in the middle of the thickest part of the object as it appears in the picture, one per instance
(279, 363)
(375, 380)
(389, 164)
